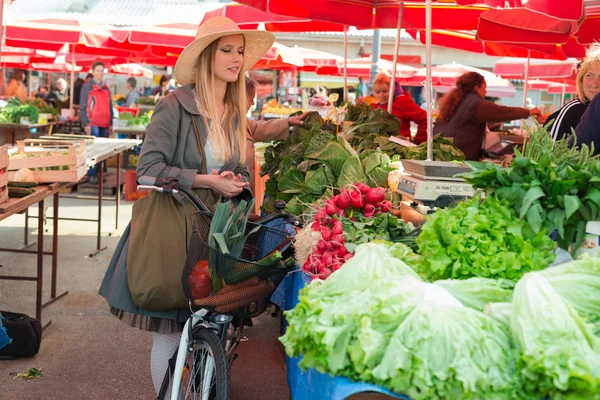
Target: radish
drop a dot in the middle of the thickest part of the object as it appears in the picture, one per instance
(369, 215)
(375, 195)
(348, 256)
(330, 208)
(325, 274)
(322, 246)
(335, 266)
(341, 251)
(343, 200)
(363, 188)
(326, 233)
(341, 213)
(324, 221)
(386, 206)
(338, 239)
(358, 201)
(315, 226)
(307, 267)
(369, 208)
(377, 205)
(337, 227)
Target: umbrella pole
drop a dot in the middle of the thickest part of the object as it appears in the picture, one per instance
(562, 97)
(525, 86)
(72, 91)
(2, 29)
(375, 57)
(345, 62)
(428, 81)
(395, 63)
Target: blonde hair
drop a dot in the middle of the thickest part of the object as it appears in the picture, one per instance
(224, 136)
(592, 56)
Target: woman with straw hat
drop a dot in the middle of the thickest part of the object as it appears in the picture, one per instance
(197, 134)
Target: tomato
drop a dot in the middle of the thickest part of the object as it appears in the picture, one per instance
(199, 280)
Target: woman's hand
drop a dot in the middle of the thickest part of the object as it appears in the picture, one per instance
(298, 119)
(227, 183)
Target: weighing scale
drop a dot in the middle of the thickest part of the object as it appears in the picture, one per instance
(433, 183)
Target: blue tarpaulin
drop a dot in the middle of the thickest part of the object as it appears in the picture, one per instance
(310, 384)
(4, 339)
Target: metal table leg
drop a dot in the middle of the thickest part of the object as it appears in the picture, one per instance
(40, 265)
(99, 247)
(118, 196)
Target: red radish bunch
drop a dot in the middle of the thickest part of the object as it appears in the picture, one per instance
(330, 252)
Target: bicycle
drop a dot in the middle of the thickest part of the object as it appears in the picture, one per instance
(199, 368)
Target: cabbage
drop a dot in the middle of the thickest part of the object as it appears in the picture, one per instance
(375, 321)
(444, 350)
(558, 353)
(477, 292)
(499, 311)
(24, 175)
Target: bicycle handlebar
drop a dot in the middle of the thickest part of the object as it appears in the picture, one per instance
(172, 186)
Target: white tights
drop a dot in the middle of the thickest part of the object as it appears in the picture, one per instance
(163, 347)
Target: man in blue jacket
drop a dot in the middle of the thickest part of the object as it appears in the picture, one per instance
(95, 109)
(588, 130)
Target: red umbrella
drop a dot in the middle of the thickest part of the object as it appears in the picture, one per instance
(361, 67)
(249, 18)
(538, 69)
(561, 9)
(360, 13)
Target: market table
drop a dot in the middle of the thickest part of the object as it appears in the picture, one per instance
(24, 130)
(97, 152)
(131, 131)
(19, 205)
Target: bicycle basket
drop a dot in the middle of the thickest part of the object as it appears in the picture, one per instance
(238, 286)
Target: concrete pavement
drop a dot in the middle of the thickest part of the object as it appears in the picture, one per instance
(87, 353)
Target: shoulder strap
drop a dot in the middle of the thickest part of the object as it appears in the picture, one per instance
(200, 144)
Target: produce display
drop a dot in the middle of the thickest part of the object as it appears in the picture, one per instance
(355, 216)
(139, 121)
(482, 238)
(313, 162)
(551, 184)
(372, 128)
(15, 110)
(375, 320)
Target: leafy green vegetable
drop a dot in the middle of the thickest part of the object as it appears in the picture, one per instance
(559, 356)
(554, 185)
(477, 292)
(374, 320)
(351, 173)
(484, 239)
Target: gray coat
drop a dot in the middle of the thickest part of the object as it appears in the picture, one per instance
(170, 149)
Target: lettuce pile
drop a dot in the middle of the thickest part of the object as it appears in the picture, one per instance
(481, 239)
(374, 320)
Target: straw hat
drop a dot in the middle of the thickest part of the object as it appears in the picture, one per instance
(257, 43)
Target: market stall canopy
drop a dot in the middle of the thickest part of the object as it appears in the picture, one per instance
(468, 41)
(361, 67)
(444, 79)
(247, 17)
(561, 9)
(515, 68)
(551, 87)
(131, 69)
(280, 57)
(373, 13)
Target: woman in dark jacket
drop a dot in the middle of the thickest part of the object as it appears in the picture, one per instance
(464, 114)
(568, 117)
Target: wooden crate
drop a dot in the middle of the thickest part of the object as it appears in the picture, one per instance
(51, 153)
(3, 173)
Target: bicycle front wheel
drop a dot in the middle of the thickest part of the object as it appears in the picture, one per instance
(206, 371)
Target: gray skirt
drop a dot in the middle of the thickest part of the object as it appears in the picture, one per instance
(115, 290)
